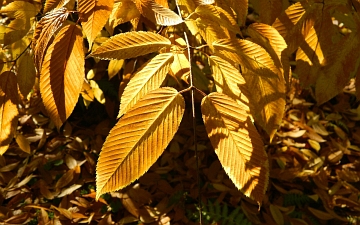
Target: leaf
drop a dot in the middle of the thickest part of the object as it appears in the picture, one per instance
(122, 12)
(23, 143)
(114, 67)
(26, 73)
(146, 79)
(268, 101)
(138, 139)
(219, 16)
(237, 144)
(51, 4)
(44, 31)
(229, 81)
(8, 109)
(130, 45)
(296, 21)
(62, 74)
(24, 13)
(165, 16)
(247, 54)
(94, 14)
(275, 42)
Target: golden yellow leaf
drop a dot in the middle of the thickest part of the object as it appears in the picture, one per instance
(130, 45)
(248, 54)
(98, 93)
(23, 143)
(138, 139)
(165, 16)
(8, 109)
(26, 74)
(147, 78)
(229, 81)
(296, 21)
(44, 31)
(180, 65)
(20, 10)
(24, 13)
(62, 74)
(272, 41)
(52, 4)
(86, 92)
(219, 16)
(267, 99)
(114, 67)
(123, 11)
(94, 14)
(237, 144)
(211, 31)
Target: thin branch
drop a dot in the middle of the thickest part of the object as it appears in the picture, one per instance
(192, 89)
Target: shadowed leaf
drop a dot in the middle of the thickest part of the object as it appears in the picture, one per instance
(237, 144)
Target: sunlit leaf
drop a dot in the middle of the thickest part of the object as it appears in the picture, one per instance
(229, 81)
(44, 31)
(146, 79)
(138, 139)
(165, 16)
(62, 74)
(130, 45)
(94, 14)
(123, 11)
(8, 109)
(237, 144)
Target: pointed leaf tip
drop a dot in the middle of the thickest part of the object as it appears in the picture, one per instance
(138, 139)
(237, 144)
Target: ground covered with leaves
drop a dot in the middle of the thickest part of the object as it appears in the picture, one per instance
(48, 176)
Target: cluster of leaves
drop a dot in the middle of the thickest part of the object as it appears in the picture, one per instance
(239, 72)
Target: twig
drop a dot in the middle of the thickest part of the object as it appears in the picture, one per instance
(192, 89)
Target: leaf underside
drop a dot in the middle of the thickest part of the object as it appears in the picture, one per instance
(237, 144)
(138, 139)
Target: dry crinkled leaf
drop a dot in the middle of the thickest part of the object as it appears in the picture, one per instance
(138, 140)
(62, 74)
(165, 16)
(94, 14)
(44, 31)
(8, 109)
(237, 144)
(130, 45)
(146, 79)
